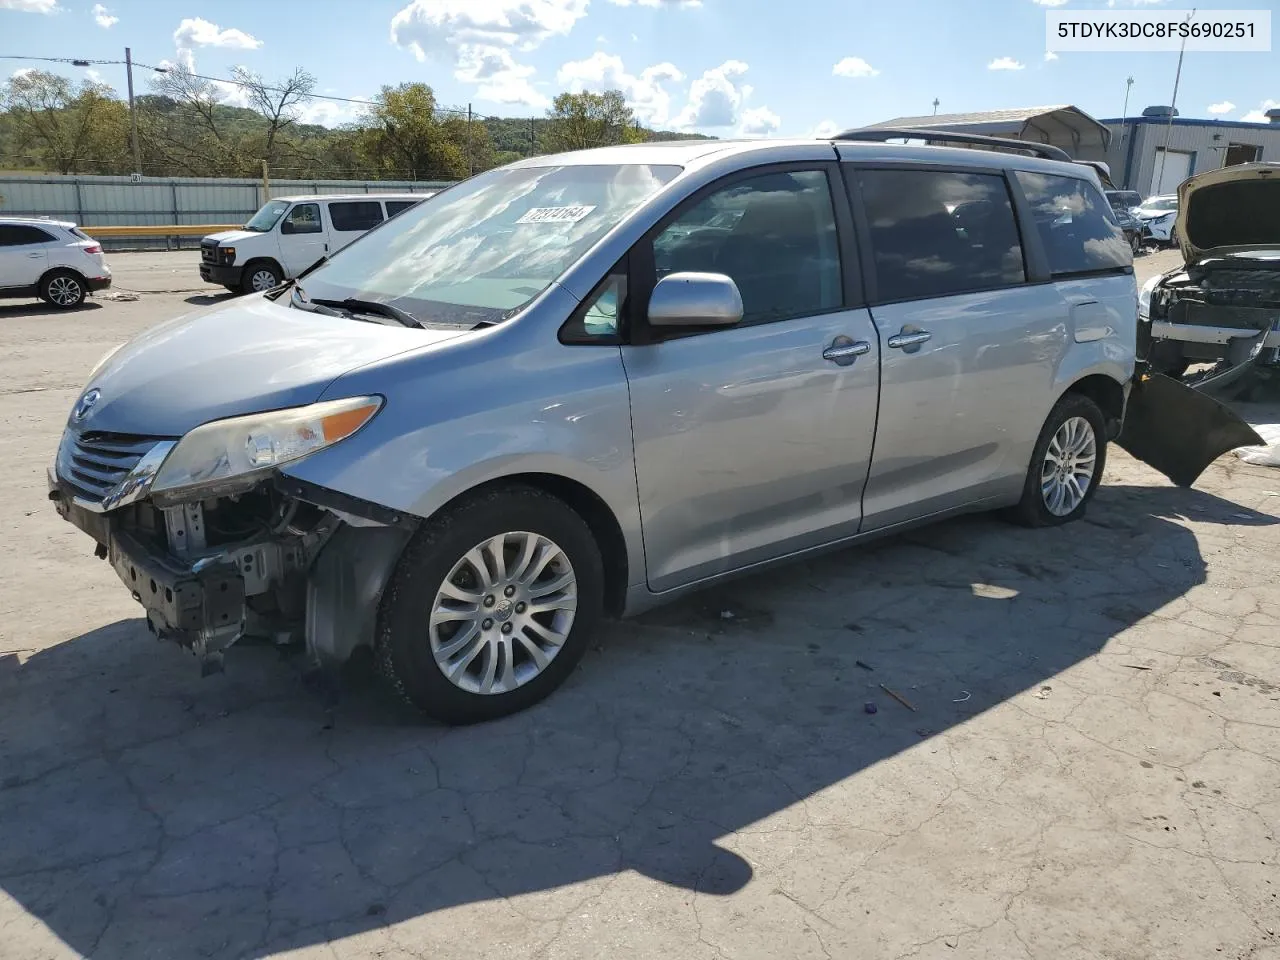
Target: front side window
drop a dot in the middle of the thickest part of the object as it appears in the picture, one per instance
(358, 215)
(303, 218)
(267, 217)
(774, 235)
(934, 234)
(478, 252)
(1077, 227)
(17, 235)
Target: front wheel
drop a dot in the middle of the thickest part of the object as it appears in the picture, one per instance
(259, 277)
(1066, 466)
(491, 606)
(1135, 244)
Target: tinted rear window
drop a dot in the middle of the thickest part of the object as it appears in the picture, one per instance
(935, 234)
(355, 215)
(399, 206)
(1076, 225)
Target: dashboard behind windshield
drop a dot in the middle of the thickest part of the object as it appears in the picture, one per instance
(480, 251)
(267, 217)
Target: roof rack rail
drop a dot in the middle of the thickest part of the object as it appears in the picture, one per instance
(884, 134)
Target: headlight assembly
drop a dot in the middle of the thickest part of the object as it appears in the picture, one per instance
(226, 456)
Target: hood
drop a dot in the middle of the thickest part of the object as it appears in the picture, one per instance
(252, 355)
(1230, 207)
(232, 236)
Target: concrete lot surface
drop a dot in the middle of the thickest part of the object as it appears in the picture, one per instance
(1091, 768)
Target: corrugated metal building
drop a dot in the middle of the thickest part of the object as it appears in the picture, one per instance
(1138, 161)
(1064, 126)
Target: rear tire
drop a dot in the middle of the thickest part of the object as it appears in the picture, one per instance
(1066, 466)
(441, 612)
(64, 289)
(260, 276)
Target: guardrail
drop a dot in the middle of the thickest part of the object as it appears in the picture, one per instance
(180, 230)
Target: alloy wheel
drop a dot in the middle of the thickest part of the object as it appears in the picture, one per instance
(64, 291)
(1069, 462)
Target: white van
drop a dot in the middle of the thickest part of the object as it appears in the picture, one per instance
(289, 234)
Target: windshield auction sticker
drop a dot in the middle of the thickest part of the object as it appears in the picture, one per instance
(556, 214)
(1132, 31)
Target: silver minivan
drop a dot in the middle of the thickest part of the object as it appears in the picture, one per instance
(582, 385)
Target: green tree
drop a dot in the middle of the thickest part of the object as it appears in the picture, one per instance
(579, 121)
(403, 136)
(65, 128)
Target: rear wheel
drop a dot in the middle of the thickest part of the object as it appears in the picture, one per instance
(260, 276)
(1135, 244)
(1066, 466)
(491, 606)
(64, 289)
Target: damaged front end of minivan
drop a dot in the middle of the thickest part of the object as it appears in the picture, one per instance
(217, 544)
(1216, 320)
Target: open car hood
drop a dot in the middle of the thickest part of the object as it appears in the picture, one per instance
(1230, 207)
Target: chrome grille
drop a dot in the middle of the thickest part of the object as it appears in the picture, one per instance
(95, 463)
(209, 251)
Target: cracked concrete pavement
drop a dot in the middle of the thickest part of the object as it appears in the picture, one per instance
(1092, 768)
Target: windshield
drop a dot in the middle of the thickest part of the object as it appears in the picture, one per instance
(266, 218)
(480, 251)
(1161, 203)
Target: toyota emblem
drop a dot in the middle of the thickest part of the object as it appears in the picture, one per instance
(85, 404)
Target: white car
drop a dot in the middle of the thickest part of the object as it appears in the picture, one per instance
(50, 259)
(290, 234)
(1159, 214)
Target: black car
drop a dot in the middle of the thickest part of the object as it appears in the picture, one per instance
(1122, 204)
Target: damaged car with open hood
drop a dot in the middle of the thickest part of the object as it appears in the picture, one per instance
(585, 384)
(1222, 307)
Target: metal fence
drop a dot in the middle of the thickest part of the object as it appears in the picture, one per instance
(156, 201)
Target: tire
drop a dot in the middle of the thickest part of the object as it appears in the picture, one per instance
(410, 642)
(1035, 508)
(255, 276)
(1135, 244)
(64, 289)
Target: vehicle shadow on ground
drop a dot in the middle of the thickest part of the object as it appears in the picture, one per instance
(209, 299)
(37, 308)
(146, 812)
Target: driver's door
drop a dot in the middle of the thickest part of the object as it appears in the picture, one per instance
(304, 238)
(749, 443)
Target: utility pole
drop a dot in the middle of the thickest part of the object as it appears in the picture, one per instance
(533, 144)
(266, 183)
(1124, 128)
(471, 156)
(1173, 106)
(936, 103)
(133, 112)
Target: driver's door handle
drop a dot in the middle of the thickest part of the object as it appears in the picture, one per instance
(844, 351)
(900, 340)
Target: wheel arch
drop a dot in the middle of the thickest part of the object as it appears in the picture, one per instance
(270, 261)
(60, 268)
(1108, 393)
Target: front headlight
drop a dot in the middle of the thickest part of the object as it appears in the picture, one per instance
(234, 454)
(228, 254)
(1144, 297)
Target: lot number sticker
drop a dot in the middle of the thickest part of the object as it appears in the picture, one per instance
(556, 214)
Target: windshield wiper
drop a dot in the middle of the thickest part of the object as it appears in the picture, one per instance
(376, 307)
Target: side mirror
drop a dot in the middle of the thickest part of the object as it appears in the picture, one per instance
(695, 300)
(287, 227)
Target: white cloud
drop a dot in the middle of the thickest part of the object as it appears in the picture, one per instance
(1050, 56)
(656, 3)
(1260, 115)
(826, 129)
(1050, 3)
(93, 75)
(231, 94)
(31, 6)
(854, 67)
(1005, 63)
(102, 16)
(326, 113)
(715, 100)
(759, 122)
(1134, 3)
(441, 27)
(1226, 106)
(498, 76)
(198, 32)
(646, 93)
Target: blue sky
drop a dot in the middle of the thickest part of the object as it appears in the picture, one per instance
(721, 67)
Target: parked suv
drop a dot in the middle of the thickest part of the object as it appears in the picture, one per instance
(50, 259)
(586, 384)
(290, 234)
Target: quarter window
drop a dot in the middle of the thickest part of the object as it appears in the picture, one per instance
(399, 206)
(938, 233)
(774, 235)
(356, 215)
(1077, 227)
